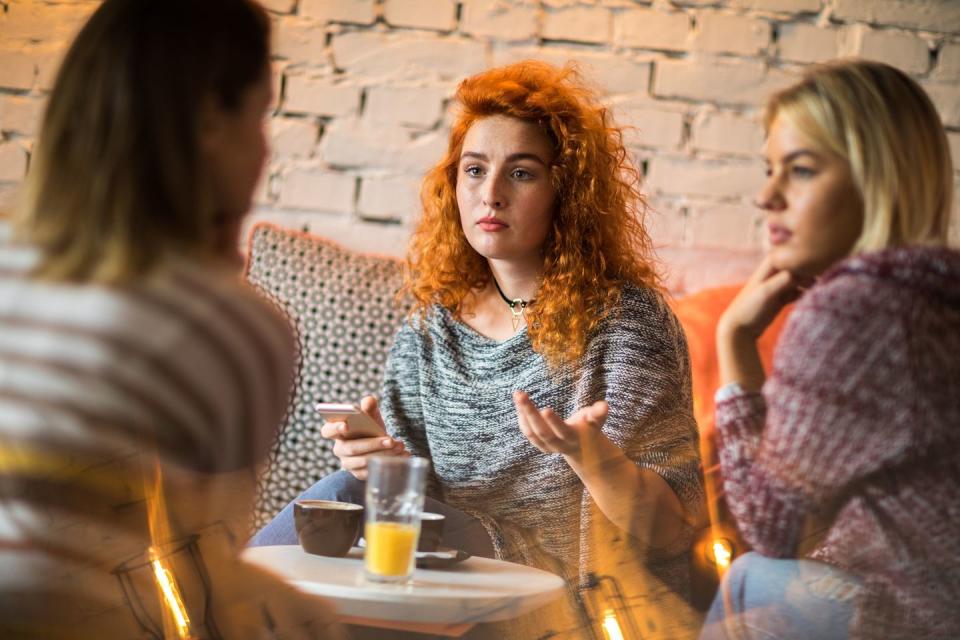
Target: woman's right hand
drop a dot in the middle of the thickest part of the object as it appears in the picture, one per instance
(353, 453)
(767, 291)
(746, 318)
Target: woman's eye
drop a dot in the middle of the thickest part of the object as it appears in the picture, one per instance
(521, 174)
(802, 172)
(472, 171)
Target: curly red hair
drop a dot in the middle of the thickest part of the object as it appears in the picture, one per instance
(597, 242)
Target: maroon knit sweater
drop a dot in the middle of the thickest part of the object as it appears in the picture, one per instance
(859, 421)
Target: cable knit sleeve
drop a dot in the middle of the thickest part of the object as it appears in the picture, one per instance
(400, 396)
(835, 409)
(641, 361)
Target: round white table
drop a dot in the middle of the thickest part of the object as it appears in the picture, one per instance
(446, 602)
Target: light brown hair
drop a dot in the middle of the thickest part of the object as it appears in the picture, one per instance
(117, 178)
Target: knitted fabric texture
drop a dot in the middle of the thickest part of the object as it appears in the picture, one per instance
(857, 426)
(448, 395)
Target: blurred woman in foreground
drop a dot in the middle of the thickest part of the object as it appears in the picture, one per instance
(140, 381)
(856, 427)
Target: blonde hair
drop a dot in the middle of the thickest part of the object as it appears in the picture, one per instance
(117, 178)
(886, 128)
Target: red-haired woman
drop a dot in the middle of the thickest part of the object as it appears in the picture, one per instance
(531, 275)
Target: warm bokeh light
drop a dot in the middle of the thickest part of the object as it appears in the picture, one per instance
(611, 628)
(171, 598)
(722, 552)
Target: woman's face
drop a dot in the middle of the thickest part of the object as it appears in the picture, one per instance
(504, 191)
(814, 212)
(234, 144)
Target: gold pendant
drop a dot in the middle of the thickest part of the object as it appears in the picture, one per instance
(516, 310)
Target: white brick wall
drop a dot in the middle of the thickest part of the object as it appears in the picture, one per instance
(363, 89)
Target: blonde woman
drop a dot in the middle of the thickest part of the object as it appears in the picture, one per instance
(856, 427)
(140, 381)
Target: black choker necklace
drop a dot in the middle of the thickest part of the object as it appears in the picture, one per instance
(517, 305)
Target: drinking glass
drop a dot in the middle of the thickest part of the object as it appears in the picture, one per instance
(395, 487)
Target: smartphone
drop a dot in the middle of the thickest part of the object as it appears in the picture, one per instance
(359, 424)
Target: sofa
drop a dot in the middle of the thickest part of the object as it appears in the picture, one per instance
(344, 308)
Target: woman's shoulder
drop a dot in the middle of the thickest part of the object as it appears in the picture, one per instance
(887, 281)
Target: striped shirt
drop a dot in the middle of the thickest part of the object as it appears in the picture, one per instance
(129, 416)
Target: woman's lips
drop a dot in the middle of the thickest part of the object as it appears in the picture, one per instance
(491, 224)
(778, 235)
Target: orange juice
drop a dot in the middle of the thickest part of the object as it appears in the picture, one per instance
(390, 547)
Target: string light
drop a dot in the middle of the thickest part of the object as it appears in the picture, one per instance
(611, 628)
(722, 552)
(171, 597)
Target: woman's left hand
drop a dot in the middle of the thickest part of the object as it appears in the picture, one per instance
(549, 433)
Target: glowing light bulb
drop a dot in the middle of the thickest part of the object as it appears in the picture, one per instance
(171, 597)
(611, 628)
(722, 552)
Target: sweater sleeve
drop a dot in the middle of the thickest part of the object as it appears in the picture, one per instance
(400, 396)
(643, 368)
(834, 410)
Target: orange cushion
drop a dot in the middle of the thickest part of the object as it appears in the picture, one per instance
(699, 314)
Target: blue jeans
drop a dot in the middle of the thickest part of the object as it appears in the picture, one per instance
(460, 531)
(766, 598)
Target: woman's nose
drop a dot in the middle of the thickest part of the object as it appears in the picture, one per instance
(770, 195)
(493, 196)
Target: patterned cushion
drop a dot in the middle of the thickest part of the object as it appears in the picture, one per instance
(343, 306)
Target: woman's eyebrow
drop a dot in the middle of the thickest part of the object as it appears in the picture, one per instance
(513, 157)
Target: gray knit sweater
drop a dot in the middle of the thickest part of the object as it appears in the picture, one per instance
(447, 395)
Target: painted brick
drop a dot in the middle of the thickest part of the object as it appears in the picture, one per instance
(13, 162)
(264, 193)
(9, 193)
(353, 144)
(696, 3)
(727, 226)
(727, 33)
(903, 50)
(666, 223)
(609, 73)
(292, 137)
(38, 22)
(737, 83)
(800, 42)
(322, 96)
(953, 138)
(317, 189)
(579, 23)
(300, 41)
(652, 29)
(279, 6)
(496, 19)
(408, 56)
(724, 132)
(17, 71)
(685, 177)
(649, 125)
(693, 269)
(20, 114)
(48, 58)
(440, 15)
(356, 235)
(352, 11)
(389, 198)
(412, 106)
(929, 15)
(946, 98)
(779, 6)
(948, 63)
